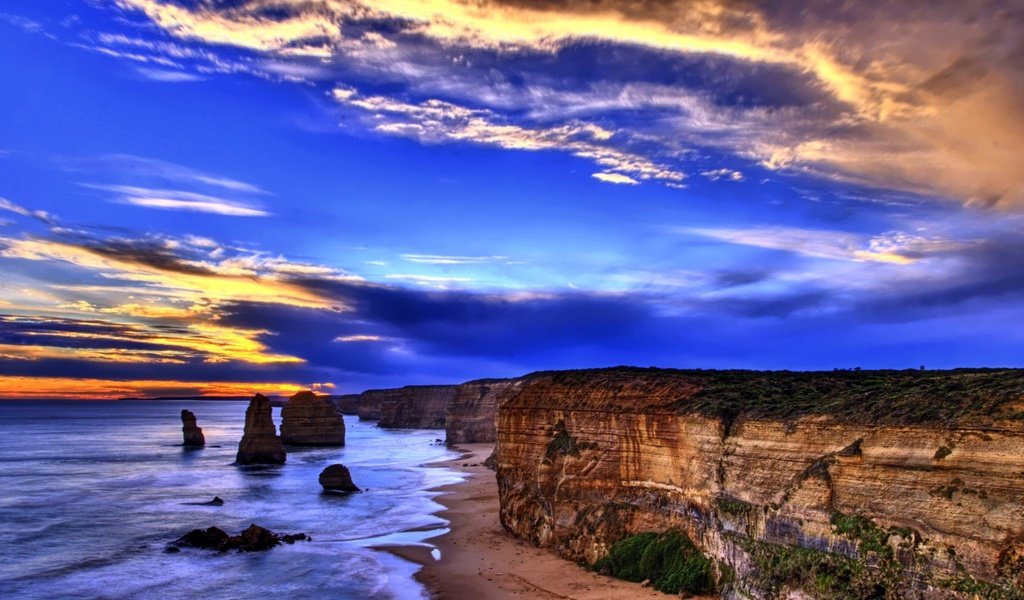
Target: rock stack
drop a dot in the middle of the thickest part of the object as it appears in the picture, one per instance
(260, 444)
(192, 433)
(311, 420)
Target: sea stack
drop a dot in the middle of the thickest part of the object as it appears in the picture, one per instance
(311, 420)
(260, 444)
(190, 431)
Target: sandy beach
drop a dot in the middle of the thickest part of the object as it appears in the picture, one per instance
(480, 560)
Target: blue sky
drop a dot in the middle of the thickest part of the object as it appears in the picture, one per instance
(213, 197)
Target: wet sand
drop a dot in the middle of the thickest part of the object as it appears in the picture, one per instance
(481, 561)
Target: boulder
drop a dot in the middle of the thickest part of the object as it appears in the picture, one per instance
(336, 478)
(260, 444)
(193, 434)
(253, 539)
(311, 420)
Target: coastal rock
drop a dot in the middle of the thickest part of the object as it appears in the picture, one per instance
(471, 413)
(783, 480)
(336, 478)
(193, 435)
(253, 539)
(260, 444)
(416, 407)
(311, 420)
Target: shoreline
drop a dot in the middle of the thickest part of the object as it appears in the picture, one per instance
(480, 560)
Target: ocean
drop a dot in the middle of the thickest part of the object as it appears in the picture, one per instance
(92, 492)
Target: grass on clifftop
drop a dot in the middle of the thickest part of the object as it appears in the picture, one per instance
(879, 397)
(668, 560)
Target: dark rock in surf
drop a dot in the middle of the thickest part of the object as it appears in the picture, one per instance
(260, 444)
(336, 478)
(192, 434)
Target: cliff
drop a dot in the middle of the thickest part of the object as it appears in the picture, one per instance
(368, 406)
(471, 413)
(794, 485)
(416, 406)
(260, 444)
(311, 420)
(347, 404)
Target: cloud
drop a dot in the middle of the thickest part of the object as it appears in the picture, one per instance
(726, 174)
(437, 121)
(180, 200)
(895, 247)
(873, 94)
(437, 259)
(168, 76)
(618, 178)
(104, 389)
(39, 215)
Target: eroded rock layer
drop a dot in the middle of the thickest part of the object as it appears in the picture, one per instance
(311, 420)
(191, 433)
(471, 413)
(802, 485)
(347, 404)
(416, 407)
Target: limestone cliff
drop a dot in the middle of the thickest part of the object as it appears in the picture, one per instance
(368, 407)
(797, 485)
(347, 404)
(311, 420)
(471, 413)
(260, 444)
(416, 407)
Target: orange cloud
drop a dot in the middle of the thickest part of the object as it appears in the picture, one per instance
(104, 389)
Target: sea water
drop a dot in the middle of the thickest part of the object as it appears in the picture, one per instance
(92, 492)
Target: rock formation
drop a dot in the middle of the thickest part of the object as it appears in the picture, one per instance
(193, 435)
(260, 444)
(471, 413)
(336, 478)
(311, 420)
(368, 407)
(347, 404)
(416, 407)
(253, 539)
(892, 484)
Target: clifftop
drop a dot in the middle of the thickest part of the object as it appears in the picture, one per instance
(886, 397)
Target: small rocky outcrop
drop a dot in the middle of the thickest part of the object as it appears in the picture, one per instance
(253, 539)
(192, 434)
(336, 478)
(311, 420)
(260, 444)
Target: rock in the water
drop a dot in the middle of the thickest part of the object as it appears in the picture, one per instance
(336, 478)
(311, 420)
(193, 434)
(260, 444)
(253, 539)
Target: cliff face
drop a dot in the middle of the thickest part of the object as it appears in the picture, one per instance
(470, 417)
(416, 406)
(347, 404)
(311, 420)
(368, 406)
(850, 485)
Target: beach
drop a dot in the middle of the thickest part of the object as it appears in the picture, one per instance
(480, 560)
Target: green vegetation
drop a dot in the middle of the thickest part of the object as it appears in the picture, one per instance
(878, 397)
(734, 506)
(563, 444)
(668, 560)
(824, 576)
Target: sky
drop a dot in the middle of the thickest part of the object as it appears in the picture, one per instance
(224, 197)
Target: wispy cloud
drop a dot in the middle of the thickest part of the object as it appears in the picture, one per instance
(438, 259)
(618, 178)
(437, 121)
(180, 200)
(726, 174)
(168, 76)
(17, 209)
